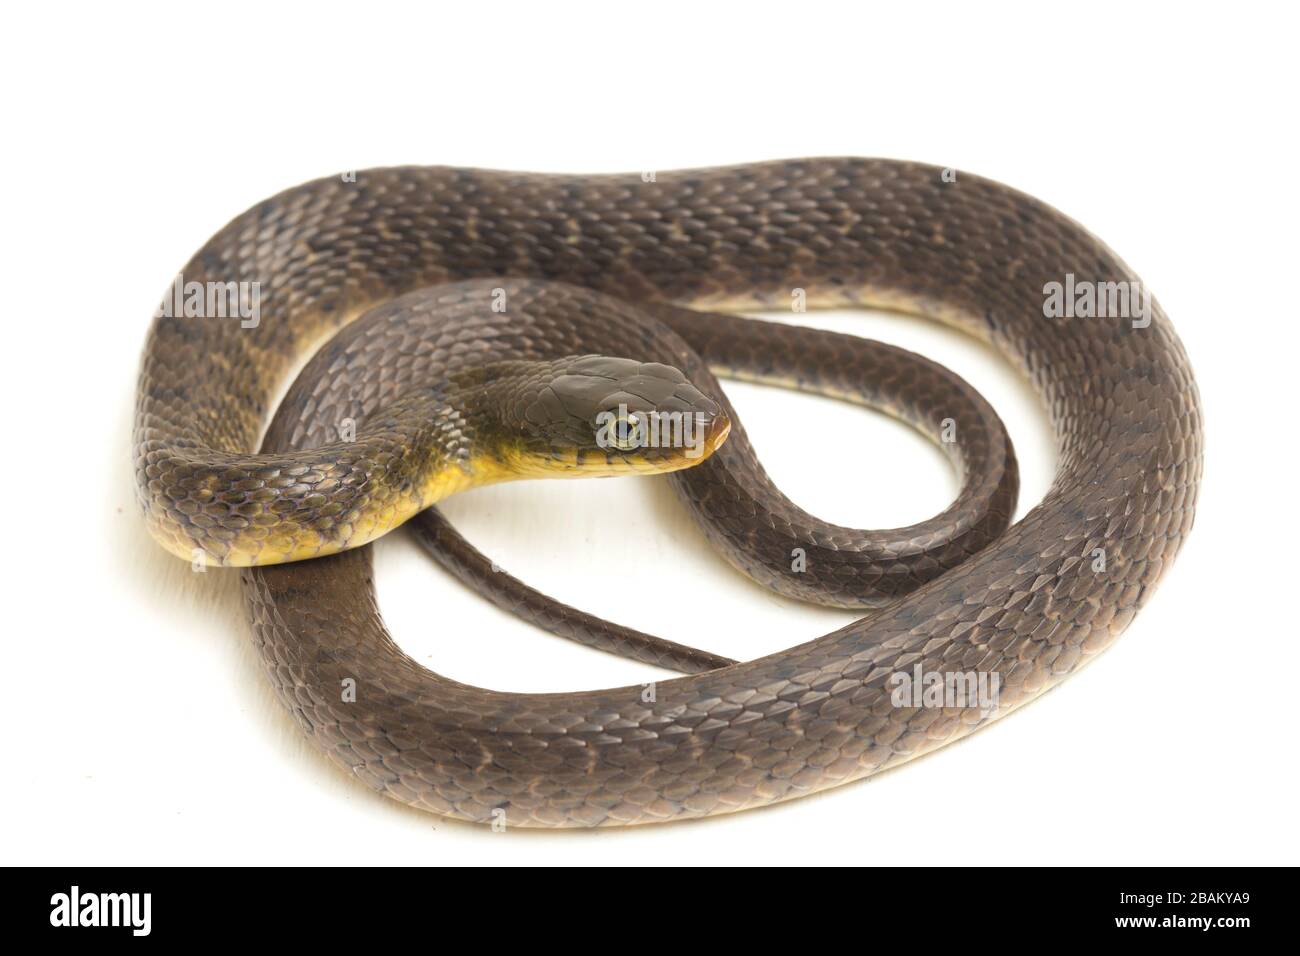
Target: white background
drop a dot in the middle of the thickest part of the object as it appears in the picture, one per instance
(138, 725)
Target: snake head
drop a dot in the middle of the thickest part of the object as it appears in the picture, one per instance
(593, 416)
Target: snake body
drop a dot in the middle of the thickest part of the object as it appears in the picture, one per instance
(608, 265)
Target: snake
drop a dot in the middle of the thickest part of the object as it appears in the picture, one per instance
(455, 327)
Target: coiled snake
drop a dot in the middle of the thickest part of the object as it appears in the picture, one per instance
(485, 320)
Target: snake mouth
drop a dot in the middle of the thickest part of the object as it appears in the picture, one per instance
(658, 443)
(718, 432)
(669, 448)
(716, 429)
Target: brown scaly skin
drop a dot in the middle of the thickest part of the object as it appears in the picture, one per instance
(506, 418)
(1032, 607)
(408, 345)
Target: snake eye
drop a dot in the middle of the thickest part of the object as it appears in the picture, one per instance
(626, 432)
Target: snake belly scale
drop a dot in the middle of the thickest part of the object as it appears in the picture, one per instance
(604, 276)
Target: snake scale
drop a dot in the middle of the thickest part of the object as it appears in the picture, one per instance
(467, 323)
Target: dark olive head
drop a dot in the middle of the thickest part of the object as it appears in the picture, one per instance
(593, 415)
